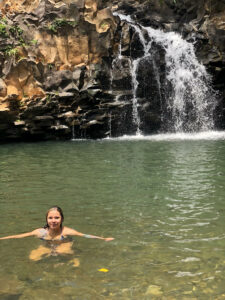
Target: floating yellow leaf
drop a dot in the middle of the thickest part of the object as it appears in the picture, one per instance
(103, 270)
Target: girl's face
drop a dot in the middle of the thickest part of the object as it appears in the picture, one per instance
(54, 219)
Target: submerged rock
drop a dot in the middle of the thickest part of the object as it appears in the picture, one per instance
(9, 285)
(154, 290)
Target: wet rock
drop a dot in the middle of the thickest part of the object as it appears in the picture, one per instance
(67, 115)
(65, 95)
(56, 79)
(19, 123)
(43, 118)
(90, 123)
(3, 88)
(71, 88)
(60, 127)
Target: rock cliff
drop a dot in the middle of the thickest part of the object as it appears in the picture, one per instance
(57, 57)
(54, 69)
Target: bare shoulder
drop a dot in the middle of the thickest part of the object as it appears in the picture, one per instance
(69, 231)
(37, 232)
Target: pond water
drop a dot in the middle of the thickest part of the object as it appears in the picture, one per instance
(162, 198)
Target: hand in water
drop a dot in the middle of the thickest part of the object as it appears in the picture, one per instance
(109, 239)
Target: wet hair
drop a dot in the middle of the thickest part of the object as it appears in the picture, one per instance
(54, 208)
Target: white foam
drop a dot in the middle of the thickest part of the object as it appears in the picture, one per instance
(206, 135)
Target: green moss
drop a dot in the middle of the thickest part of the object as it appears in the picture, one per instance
(3, 32)
(12, 52)
(16, 31)
(33, 42)
(104, 25)
(59, 23)
(4, 20)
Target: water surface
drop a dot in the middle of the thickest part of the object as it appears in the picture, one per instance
(162, 199)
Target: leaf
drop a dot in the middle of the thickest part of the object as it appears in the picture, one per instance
(103, 270)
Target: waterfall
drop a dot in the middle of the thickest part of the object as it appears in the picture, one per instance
(184, 93)
(190, 101)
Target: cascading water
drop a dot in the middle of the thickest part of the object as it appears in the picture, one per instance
(190, 100)
(186, 99)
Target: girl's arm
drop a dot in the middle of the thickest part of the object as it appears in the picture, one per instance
(22, 235)
(70, 231)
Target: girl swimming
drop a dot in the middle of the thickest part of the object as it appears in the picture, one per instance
(56, 236)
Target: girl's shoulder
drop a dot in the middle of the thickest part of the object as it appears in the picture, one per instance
(68, 231)
(40, 232)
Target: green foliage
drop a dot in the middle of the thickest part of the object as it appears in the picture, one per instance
(50, 66)
(11, 51)
(4, 20)
(3, 32)
(3, 27)
(16, 35)
(16, 31)
(104, 25)
(48, 98)
(33, 42)
(59, 23)
(13, 31)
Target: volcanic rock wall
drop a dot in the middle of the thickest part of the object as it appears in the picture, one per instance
(56, 63)
(55, 69)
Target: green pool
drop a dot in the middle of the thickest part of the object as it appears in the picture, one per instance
(162, 199)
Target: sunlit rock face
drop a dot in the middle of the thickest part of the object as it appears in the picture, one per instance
(60, 77)
(55, 61)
